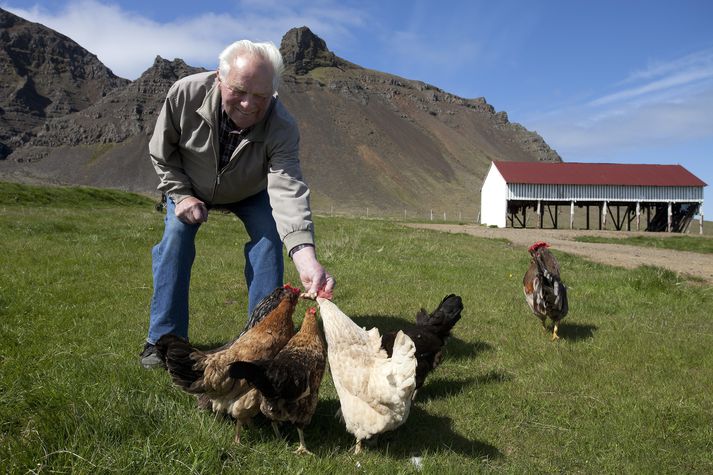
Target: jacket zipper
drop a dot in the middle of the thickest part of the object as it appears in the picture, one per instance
(243, 143)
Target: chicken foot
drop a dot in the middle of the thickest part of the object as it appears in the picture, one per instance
(302, 449)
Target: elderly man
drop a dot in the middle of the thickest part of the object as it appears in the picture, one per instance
(224, 140)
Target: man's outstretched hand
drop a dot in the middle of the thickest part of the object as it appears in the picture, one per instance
(313, 276)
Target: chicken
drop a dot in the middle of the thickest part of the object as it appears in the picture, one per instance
(374, 390)
(544, 291)
(289, 383)
(206, 374)
(261, 310)
(429, 335)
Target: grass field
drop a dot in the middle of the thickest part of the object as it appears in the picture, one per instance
(628, 388)
(679, 243)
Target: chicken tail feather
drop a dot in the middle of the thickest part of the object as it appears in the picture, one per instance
(180, 359)
(255, 375)
(444, 317)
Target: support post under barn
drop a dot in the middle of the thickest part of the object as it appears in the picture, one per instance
(638, 215)
(670, 215)
(540, 216)
(604, 216)
(571, 215)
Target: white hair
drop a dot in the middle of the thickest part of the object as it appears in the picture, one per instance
(267, 51)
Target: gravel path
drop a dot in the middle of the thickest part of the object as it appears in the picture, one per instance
(681, 262)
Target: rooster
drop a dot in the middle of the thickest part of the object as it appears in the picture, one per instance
(289, 383)
(206, 374)
(429, 335)
(375, 390)
(544, 291)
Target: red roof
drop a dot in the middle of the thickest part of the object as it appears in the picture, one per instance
(560, 173)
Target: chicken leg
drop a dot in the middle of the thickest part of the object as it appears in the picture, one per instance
(237, 431)
(302, 449)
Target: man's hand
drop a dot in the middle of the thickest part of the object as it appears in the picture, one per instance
(313, 276)
(191, 210)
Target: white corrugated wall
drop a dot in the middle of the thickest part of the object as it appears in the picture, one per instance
(521, 191)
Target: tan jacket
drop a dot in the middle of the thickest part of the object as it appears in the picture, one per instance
(184, 150)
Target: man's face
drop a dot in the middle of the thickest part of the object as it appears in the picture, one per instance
(247, 90)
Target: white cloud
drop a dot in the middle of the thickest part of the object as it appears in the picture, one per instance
(665, 104)
(128, 42)
(673, 81)
(660, 123)
(661, 68)
(690, 70)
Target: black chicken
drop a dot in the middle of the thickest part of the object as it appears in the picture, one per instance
(429, 335)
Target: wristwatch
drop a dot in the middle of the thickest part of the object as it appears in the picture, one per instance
(297, 248)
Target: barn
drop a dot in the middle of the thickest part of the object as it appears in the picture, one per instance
(599, 195)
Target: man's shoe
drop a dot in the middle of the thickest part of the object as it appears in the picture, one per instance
(150, 358)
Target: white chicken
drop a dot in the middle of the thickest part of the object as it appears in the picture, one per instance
(374, 390)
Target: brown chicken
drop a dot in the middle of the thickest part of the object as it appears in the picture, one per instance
(206, 374)
(544, 291)
(289, 383)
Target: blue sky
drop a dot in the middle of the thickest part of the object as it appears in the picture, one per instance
(627, 81)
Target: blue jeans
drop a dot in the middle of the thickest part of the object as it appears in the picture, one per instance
(173, 258)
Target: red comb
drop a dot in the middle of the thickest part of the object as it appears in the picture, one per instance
(294, 290)
(538, 245)
(312, 311)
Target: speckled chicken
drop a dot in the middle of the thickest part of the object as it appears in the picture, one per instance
(374, 390)
(289, 383)
(544, 291)
(206, 374)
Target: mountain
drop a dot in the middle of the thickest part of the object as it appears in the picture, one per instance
(379, 140)
(369, 139)
(43, 75)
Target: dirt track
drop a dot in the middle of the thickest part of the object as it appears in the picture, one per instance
(681, 262)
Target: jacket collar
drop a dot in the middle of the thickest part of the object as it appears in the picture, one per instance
(210, 112)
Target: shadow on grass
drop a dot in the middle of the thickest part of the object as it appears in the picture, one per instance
(326, 436)
(385, 323)
(455, 348)
(421, 433)
(576, 332)
(427, 433)
(435, 388)
(458, 349)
